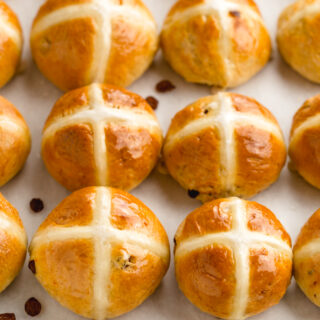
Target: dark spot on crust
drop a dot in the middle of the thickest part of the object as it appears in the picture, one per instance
(7, 316)
(235, 14)
(32, 266)
(36, 205)
(153, 102)
(32, 307)
(175, 241)
(206, 111)
(193, 193)
(165, 86)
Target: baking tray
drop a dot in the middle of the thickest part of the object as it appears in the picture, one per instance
(291, 199)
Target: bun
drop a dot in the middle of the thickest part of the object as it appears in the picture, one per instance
(100, 253)
(219, 42)
(233, 258)
(298, 38)
(75, 43)
(101, 135)
(13, 243)
(224, 145)
(11, 42)
(15, 141)
(306, 259)
(305, 143)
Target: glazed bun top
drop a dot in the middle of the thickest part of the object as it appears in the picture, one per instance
(233, 258)
(216, 42)
(101, 135)
(79, 42)
(101, 252)
(224, 145)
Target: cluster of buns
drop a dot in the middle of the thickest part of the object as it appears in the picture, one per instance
(101, 252)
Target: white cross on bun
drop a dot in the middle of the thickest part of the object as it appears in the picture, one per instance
(78, 42)
(224, 145)
(299, 37)
(216, 42)
(11, 42)
(13, 243)
(101, 252)
(101, 135)
(233, 258)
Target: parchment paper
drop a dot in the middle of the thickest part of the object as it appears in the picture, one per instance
(293, 201)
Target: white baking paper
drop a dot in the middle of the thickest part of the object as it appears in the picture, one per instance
(293, 201)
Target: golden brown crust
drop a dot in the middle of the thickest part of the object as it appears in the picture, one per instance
(194, 163)
(65, 269)
(129, 213)
(132, 147)
(13, 243)
(67, 52)
(224, 145)
(298, 38)
(15, 141)
(260, 156)
(261, 219)
(270, 276)
(307, 260)
(64, 56)
(233, 258)
(212, 217)
(131, 269)
(310, 231)
(101, 252)
(206, 277)
(10, 48)
(194, 47)
(305, 141)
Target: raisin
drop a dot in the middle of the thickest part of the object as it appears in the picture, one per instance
(32, 266)
(153, 102)
(165, 86)
(7, 316)
(32, 307)
(36, 205)
(193, 193)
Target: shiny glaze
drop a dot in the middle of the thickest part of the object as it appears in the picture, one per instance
(260, 158)
(66, 267)
(194, 159)
(208, 275)
(131, 151)
(195, 50)
(65, 52)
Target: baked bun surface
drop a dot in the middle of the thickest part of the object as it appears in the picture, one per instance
(100, 253)
(13, 243)
(11, 41)
(224, 145)
(78, 42)
(101, 135)
(299, 37)
(306, 259)
(15, 141)
(304, 147)
(233, 258)
(215, 42)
